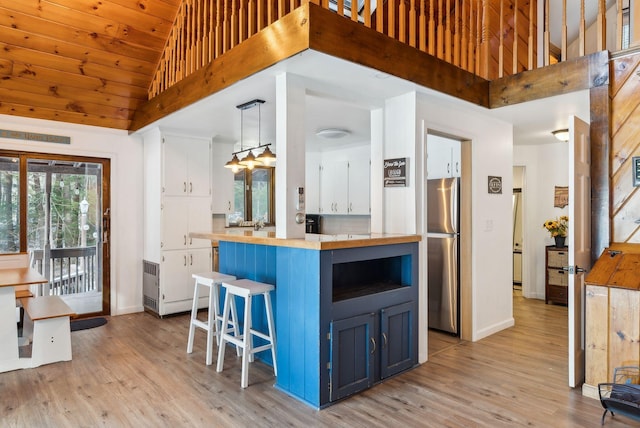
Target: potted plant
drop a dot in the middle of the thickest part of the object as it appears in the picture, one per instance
(558, 229)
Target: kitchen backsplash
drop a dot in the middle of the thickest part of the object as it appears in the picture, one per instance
(331, 224)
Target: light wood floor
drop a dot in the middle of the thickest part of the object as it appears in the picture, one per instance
(135, 372)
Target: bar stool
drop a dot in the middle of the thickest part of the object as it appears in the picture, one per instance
(246, 289)
(212, 280)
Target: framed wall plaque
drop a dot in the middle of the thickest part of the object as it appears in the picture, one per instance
(495, 185)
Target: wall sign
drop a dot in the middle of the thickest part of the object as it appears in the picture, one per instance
(635, 170)
(561, 196)
(32, 136)
(495, 185)
(395, 172)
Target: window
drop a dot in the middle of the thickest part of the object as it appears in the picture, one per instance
(254, 194)
(626, 25)
(9, 205)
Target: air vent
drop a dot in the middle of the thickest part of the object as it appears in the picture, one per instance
(151, 285)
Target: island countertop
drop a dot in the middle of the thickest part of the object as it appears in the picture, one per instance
(310, 241)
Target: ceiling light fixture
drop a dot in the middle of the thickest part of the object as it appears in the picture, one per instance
(561, 134)
(250, 160)
(332, 133)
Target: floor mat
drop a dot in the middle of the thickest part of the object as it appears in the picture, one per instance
(84, 324)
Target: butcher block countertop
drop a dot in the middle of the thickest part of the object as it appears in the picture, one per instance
(310, 241)
(618, 266)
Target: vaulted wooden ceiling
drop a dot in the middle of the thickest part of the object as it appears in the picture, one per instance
(80, 61)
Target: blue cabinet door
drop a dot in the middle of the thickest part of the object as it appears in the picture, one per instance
(353, 346)
(398, 338)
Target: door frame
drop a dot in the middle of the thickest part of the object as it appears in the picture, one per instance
(105, 251)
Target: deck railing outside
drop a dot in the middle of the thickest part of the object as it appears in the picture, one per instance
(69, 270)
(490, 38)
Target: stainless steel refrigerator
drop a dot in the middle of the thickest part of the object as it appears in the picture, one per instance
(443, 244)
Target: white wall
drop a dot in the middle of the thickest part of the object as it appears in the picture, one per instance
(125, 153)
(399, 203)
(491, 227)
(546, 167)
(406, 121)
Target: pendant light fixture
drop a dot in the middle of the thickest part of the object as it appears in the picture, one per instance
(234, 164)
(250, 160)
(267, 156)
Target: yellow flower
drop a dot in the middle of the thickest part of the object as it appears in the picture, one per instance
(558, 226)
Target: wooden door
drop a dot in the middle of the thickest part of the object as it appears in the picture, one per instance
(353, 345)
(398, 339)
(579, 242)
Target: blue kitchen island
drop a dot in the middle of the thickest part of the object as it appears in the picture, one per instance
(346, 306)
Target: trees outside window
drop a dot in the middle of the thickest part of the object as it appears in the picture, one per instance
(254, 195)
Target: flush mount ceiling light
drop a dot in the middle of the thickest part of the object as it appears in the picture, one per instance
(332, 133)
(561, 134)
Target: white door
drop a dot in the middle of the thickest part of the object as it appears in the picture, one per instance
(579, 242)
(334, 182)
(359, 179)
(175, 211)
(175, 161)
(199, 165)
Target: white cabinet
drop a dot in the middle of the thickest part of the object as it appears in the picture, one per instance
(222, 179)
(183, 215)
(186, 166)
(177, 285)
(334, 191)
(359, 187)
(312, 185)
(345, 187)
(443, 157)
(177, 201)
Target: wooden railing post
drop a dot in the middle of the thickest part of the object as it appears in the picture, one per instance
(501, 41)
(367, 13)
(601, 42)
(432, 29)
(516, 13)
(546, 50)
(581, 40)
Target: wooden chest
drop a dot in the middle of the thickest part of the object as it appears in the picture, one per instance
(612, 314)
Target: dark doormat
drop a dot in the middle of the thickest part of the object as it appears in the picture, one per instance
(87, 323)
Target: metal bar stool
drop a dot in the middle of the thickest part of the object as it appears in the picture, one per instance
(212, 280)
(246, 289)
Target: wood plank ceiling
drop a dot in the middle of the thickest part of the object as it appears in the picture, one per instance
(80, 61)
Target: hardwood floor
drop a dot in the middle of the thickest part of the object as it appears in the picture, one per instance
(135, 371)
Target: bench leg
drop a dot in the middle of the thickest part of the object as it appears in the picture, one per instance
(51, 341)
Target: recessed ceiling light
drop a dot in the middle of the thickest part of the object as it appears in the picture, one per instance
(332, 133)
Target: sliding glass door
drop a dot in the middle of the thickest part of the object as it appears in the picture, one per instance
(62, 221)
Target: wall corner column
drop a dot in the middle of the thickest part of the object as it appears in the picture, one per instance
(290, 143)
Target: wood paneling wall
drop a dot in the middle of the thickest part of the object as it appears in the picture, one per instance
(625, 133)
(78, 61)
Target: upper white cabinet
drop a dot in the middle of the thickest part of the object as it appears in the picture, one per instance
(222, 179)
(345, 187)
(312, 185)
(443, 157)
(359, 187)
(334, 190)
(186, 166)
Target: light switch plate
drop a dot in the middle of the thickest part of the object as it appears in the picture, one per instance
(635, 165)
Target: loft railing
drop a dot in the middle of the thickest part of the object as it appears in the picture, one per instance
(69, 270)
(489, 38)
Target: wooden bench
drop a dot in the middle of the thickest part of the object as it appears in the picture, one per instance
(47, 324)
